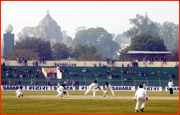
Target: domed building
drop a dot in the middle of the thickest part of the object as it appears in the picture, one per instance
(49, 30)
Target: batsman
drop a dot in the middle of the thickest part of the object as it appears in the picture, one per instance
(107, 88)
(60, 90)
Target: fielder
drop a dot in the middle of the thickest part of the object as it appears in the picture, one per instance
(18, 92)
(92, 87)
(139, 95)
(107, 88)
(60, 90)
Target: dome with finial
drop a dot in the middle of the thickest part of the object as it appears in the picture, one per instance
(47, 20)
(49, 29)
(8, 28)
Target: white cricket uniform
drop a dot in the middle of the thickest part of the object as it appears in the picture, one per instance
(92, 87)
(170, 84)
(140, 95)
(18, 93)
(107, 88)
(60, 91)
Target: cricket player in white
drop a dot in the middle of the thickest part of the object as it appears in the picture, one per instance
(92, 87)
(140, 95)
(60, 90)
(18, 92)
(170, 85)
(107, 88)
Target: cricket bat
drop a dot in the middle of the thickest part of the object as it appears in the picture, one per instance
(58, 84)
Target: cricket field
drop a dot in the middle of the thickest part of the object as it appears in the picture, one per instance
(45, 102)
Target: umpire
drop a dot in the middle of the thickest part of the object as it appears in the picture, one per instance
(170, 85)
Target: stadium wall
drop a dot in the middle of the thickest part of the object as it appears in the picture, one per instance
(90, 63)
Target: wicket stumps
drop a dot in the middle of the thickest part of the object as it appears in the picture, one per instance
(68, 93)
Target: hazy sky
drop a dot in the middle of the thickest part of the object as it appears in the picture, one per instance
(112, 15)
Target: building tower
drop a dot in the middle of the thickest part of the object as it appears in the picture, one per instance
(8, 39)
(49, 30)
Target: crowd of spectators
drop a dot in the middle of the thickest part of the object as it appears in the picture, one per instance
(128, 80)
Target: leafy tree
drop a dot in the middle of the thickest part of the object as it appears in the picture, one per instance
(169, 32)
(25, 53)
(123, 54)
(99, 38)
(175, 44)
(26, 32)
(142, 25)
(143, 42)
(175, 54)
(60, 51)
(87, 53)
(41, 47)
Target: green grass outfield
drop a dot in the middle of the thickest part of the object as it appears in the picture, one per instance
(45, 102)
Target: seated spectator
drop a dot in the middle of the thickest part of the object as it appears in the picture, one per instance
(92, 74)
(112, 75)
(109, 77)
(24, 75)
(152, 73)
(32, 74)
(104, 66)
(125, 79)
(173, 76)
(117, 75)
(10, 69)
(170, 76)
(122, 71)
(75, 73)
(81, 74)
(108, 72)
(132, 80)
(84, 70)
(40, 74)
(114, 69)
(87, 70)
(65, 69)
(15, 74)
(177, 65)
(14, 82)
(126, 69)
(39, 70)
(7, 74)
(127, 65)
(95, 74)
(99, 73)
(4, 69)
(165, 72)
(36, 75)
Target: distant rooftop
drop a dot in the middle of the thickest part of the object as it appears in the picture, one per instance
(148, 52)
